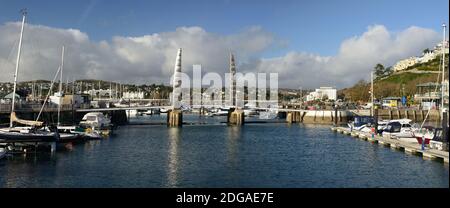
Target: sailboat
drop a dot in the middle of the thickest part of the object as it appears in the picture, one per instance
(34, 132)
(434, 137)
(66, 133)
(70, 134)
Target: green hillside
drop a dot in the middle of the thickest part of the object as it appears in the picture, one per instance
(396, 84)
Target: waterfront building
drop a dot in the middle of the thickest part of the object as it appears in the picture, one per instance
(78, 100)
(7, 98)
(429, 95)
(323, 92)
(391, 102)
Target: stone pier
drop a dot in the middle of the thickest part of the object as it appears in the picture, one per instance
(174, 118)
(236, 117)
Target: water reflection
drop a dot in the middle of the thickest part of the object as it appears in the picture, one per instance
(20, 170)
(90, 145)
(234, 133)
(173, 160)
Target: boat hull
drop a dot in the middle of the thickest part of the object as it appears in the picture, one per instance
(420, 140)
(6, 136)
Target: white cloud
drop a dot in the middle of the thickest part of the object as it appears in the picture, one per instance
(356, 58)
(148, 58)
(151, 58)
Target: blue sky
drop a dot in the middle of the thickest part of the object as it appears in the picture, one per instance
(317, 26)
(304, 41)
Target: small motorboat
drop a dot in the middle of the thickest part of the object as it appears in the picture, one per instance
(95, 120)
(164, 110)
(428, 134)
(398, 130)
(69, 137)
(220, 112)
(361, 122)
(382, 124)
(77, 133)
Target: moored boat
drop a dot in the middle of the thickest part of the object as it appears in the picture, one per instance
(95, 120)
(32, 133)
(427, 134)
(398, 130)
(27, 135)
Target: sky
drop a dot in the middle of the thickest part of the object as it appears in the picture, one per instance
(309, 43)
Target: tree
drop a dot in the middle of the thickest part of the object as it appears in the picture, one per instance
(426, 51)
(379, 70)
(388, 71)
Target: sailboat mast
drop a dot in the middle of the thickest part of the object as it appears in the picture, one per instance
(443, 73)
(371, 94)
(24, 14)
(60, 94)
(62, 67)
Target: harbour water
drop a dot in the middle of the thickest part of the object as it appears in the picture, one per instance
(216, 155)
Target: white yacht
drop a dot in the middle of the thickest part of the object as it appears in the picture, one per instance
(95, 120)
(400, 131)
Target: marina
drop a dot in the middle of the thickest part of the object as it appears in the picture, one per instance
(228, 116)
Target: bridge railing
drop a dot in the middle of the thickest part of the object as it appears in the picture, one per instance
(35, 107)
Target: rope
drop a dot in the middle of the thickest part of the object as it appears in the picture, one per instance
(435, 91)
(48, 93)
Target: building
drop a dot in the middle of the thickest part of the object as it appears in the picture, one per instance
(19, 96)
(426, 57)
(327, 93)
(133, 95)
(391, 102)
(404, 64)
(78, 100)
(102, 93)
(429, 95)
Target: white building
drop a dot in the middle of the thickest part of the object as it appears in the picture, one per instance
(321, 93)
(101, 92)
(133, 95)
(426, 57)
(75, 100)
(405, 63)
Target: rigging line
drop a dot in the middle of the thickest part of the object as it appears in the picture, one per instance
(435, 91)
(48, 93)
(12, 49)
(11, 52)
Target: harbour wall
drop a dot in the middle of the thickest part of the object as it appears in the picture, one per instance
(319, 116)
